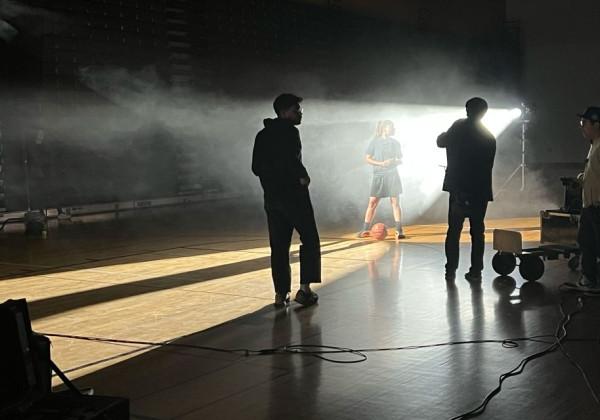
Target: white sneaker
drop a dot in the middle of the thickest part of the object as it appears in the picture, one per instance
(586, 283)
(583, 285)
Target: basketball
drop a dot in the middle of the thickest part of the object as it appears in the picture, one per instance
(378, 231)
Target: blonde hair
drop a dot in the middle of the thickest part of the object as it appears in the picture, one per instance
(381, 125)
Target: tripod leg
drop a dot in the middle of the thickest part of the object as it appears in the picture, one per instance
(510, 177)
(64, 378)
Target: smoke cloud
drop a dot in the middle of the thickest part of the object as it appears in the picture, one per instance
(141, 114)
(16, 17)
(219, 132)
(7, 31)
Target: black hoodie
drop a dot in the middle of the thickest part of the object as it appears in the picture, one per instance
(277, 158)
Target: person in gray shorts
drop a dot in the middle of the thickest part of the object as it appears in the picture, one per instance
(384, 153)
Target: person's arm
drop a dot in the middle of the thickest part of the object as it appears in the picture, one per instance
(369, 159)
(399, 155)
(581, 175)
(293, 159)
(445, 138)
(442, 140)
(305, 181)
(257, 155)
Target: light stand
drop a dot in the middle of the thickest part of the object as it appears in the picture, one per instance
(525, 114)
(35, 220)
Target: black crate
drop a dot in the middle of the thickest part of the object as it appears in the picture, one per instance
(573, 199)
(558, 227)
(67, 405)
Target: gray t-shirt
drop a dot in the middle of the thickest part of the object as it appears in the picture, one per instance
(382, 149)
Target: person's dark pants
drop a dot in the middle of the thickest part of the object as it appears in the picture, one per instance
(458, 210)
(588, 237)
(284, 214)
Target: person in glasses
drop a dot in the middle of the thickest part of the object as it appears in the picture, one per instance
(588, 235)
(277, 161)
(470, 152)
(384, 154)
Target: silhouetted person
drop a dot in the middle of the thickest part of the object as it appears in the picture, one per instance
(277, 161)
(384, 154)
(588, 235)
(470, 152)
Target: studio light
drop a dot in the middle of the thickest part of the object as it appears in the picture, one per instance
(523, 114)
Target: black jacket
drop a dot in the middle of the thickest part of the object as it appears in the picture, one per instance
(470, 152)
(277, 158)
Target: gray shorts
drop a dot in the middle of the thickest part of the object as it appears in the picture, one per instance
(386, 185)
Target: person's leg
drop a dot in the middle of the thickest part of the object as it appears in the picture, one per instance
(377, 185)
(587, 244)
(456, 218)
(595, 216)
(369, 215)
(477, 212)
(397, 211)
(310, 250)
(371, 209)
(280, 237)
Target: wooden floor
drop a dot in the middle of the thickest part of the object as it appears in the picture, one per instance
(158, 281)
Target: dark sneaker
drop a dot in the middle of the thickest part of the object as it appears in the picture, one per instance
(473, 275)
(306, 298)
(281, 300)
(362, 234)
(595, 289)
(400, 234)
(450, 275)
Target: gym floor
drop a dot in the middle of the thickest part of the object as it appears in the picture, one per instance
(158, 279)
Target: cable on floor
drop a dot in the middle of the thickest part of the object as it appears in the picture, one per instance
(316, 350)
(322, 351)
(560, 337)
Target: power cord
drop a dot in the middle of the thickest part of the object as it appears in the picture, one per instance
(10, 220)
(322, 351)
(560, 337)
(517, 370)
(315, 350)
(580, 303)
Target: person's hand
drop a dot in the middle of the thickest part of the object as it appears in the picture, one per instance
(305, 181)
(387, 162)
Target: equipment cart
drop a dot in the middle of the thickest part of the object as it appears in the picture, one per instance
(558, 237)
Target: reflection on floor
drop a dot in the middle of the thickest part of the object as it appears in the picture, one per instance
(213, 289)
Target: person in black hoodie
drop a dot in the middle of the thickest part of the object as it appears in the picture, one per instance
(470, 153)
(277, 161)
